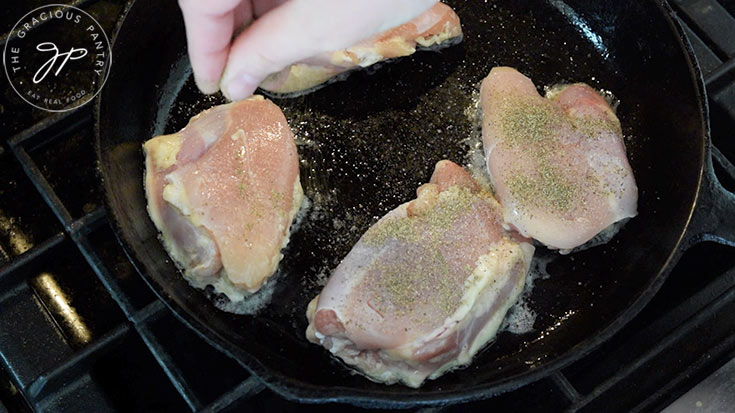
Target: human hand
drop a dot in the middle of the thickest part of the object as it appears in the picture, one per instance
(278, 34)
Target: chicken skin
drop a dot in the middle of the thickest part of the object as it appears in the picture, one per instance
(426, 287)
(557, 163)
(223, 192)
(436, 26)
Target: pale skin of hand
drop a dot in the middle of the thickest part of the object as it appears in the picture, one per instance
(277, 34)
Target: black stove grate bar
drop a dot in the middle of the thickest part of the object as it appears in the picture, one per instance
(719, 73)
(53, 126)
(42, 185)
(11, 273)
(110, 283)
(48, 384)
(723, 162)
(707, 59)
(169, 367)
(711, 21)
(247, 388)
(699, 370)
(567, 388)
(88, 222)
(701, 306)
(151, 311)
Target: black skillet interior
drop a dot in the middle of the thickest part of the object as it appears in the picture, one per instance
(367, 143)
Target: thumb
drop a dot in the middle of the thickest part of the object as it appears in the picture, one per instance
(299, 29)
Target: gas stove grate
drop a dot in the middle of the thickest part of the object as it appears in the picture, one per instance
(78, 324)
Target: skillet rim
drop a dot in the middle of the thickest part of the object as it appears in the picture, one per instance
(305, 392)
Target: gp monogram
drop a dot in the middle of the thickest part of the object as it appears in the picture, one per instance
(56, 57)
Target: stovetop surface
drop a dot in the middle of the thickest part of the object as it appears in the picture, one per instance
(79, 327)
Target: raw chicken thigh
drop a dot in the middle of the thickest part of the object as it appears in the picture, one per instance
(557, 163)
(436, 26)
(426, 287)
(223, 192)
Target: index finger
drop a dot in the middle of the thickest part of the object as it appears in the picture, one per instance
(209, 28)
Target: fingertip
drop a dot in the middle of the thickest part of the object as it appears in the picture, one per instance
(206, 86)
(239, 87)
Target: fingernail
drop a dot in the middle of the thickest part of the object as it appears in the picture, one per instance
(240, 87)
(207, 87)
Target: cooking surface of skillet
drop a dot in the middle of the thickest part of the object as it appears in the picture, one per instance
(367, 143)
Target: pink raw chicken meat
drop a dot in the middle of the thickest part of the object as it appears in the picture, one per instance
(426, 287)
(557, 163)
(436, 26)
(223, 192)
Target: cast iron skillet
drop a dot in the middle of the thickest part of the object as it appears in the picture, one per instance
(367, 143)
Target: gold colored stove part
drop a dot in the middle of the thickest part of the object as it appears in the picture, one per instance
(19, 241)
(58, 305)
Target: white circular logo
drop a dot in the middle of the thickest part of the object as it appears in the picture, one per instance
(57, 57)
